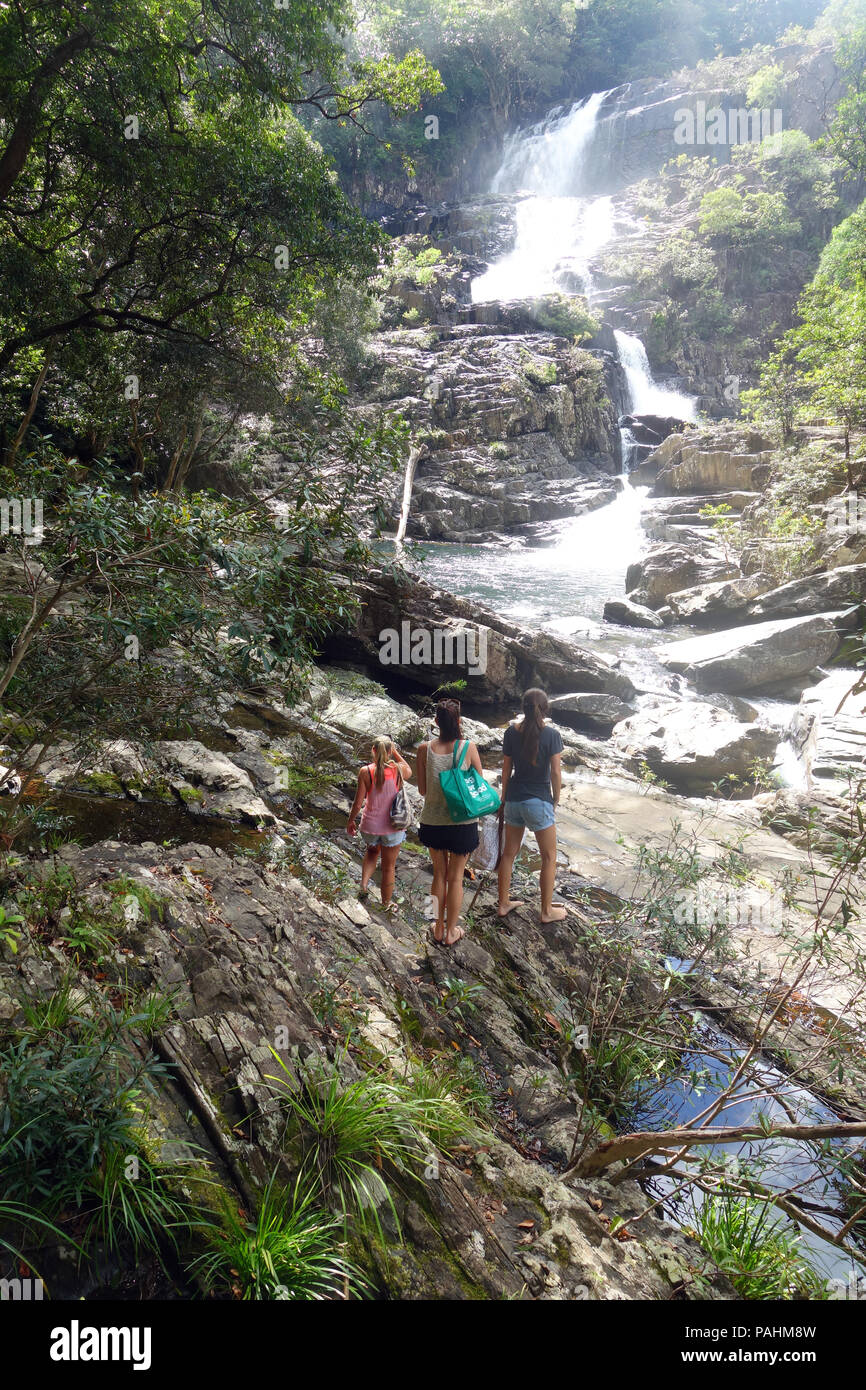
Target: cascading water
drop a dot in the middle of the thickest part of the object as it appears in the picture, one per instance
(645, 397)
(559, 230)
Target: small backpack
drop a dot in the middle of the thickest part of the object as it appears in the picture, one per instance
(399, 813)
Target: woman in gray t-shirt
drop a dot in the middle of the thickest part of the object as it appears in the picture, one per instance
(531, 784)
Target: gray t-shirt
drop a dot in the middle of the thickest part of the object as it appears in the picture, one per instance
(530, 779)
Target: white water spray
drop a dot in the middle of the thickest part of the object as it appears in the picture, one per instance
(558, 228)
(645, 397)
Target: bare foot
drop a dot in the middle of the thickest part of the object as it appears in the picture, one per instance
(439, 933)
(458, 933)
(555, 914)
(503, 909)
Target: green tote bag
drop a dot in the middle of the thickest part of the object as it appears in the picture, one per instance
(467, 794)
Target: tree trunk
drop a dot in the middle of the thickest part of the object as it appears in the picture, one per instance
(415, 454)
(30, 411)
(23, 134)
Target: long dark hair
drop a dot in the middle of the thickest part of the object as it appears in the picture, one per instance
(448, 719)
(535, 707)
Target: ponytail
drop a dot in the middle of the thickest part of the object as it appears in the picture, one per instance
(383, 750)
(535, 707)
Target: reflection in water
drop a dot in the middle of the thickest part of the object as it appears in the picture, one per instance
(779, 1163)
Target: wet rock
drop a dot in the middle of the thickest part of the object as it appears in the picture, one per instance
(749, 658)
(630, 614)
(597, 711)
(514, 657)
(665, 569)
(692, 744)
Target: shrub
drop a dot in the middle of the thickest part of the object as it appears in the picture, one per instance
(760, 1254)
(288, 1250)
(565, 315)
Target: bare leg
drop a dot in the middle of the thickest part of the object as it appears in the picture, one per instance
(437, 890)
(368, 867)
(513, 837)
(389, 863)
(456, 865)
(547, 848)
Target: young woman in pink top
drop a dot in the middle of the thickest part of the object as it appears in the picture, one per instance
(377, 787)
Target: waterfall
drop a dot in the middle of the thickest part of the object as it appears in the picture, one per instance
(558, 229)
(549, 157)
(645, 397)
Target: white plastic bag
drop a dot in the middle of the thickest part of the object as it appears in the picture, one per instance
(491, 839)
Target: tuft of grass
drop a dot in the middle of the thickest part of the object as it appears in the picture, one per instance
(760, 1253)
(354, 1138)
(288, 1250)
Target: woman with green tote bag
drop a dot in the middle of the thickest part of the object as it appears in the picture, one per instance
(450, 842)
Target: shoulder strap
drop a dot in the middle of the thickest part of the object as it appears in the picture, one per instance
(455, 761)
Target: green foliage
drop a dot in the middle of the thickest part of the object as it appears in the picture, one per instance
(766, 86)
(761, 1254)
(540, 371)
(9, 933)
(76, 1086)
(566, 315)
(847, 134)
(287, 1250)
(352, 1138)
(459, 998)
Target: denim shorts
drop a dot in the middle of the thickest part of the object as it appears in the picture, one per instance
(396, 837)
(533, 813)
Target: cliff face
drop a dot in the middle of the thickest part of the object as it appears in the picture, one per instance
(273, 985)
(637, 124)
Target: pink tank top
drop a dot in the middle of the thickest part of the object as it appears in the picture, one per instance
(376, 819)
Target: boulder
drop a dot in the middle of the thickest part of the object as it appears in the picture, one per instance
(10, 782)
(666, 568)
(750, 658)
(371, 714)
(692, 469)
(499, 660)
(726, 599)
(816, 593)
(828, 731)
(691, 743)
(623, 610)
(209, 783)
(580, 708)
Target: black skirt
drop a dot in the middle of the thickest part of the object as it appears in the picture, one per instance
(454, 839)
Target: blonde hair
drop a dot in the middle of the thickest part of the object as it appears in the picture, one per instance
(383, 750)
